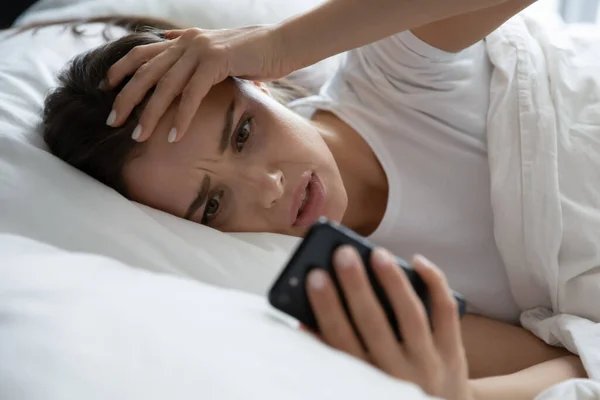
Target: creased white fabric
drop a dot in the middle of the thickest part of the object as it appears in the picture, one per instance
(544, 154)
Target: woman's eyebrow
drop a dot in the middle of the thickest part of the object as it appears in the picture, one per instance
(200, 199)
(227, 127)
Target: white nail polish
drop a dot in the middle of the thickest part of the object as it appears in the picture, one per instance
(112, 117)
(137, 132)
(316, 280)
(172, 135)
(382, 258)
(423, 261)
(344, 258)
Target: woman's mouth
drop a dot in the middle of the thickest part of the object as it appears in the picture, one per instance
(304, 198)
(310, 203)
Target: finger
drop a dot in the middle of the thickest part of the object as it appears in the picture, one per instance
(446, 324)
(144, 79)
(331, 317)
(365, 309)
(197, 88)
(408, 307)
(132, 61)
(174, 33)
(169, 87)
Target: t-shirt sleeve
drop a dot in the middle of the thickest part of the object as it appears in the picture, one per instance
(413, 62)
(452, 88)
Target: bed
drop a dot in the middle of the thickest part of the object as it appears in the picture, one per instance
(103, 298)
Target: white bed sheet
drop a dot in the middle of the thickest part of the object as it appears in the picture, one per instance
(79, 326)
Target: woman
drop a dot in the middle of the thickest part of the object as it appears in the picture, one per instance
(223, 152)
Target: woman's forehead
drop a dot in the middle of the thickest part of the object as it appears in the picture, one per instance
(163, 165)
(219, 109)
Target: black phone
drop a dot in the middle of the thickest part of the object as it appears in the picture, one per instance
(288, 293)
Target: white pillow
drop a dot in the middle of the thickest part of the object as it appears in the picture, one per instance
(202, 13)
(76, 326)
(43, 198)
(208, 14)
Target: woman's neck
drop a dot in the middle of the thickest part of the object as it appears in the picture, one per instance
(364, 178)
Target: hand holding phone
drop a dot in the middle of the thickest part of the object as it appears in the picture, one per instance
(435, 360)
(372, 305)
(288, 293)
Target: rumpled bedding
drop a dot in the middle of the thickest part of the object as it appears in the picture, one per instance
(544, 155)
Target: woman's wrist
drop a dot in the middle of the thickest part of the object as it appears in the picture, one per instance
(285, 56)
(295, 46)
(329, 29)
(336, 26)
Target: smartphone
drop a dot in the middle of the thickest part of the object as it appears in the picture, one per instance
(288, 293)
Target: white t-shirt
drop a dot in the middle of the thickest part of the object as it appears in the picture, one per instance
(423, 112)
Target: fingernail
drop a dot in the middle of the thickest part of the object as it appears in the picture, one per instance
(172, 135)
(112, 117)
(382, 257)
(103, 85)
(137, 132)
(422, 260)
(316, 279)
(344, 257)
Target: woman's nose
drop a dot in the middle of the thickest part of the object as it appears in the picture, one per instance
(266, 185)
(273, 188)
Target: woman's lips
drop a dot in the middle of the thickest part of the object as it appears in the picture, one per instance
(313, 204)
(297, 196)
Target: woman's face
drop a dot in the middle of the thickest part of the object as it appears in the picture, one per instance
(247, 164)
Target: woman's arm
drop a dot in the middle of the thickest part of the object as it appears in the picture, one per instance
(340, 25)
(530, 382)
(494, 348)
(191, 61)
(512, 363)
(459, 32)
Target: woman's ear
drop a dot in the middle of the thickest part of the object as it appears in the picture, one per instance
(262, 86)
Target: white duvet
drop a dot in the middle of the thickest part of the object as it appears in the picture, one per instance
(76, 326)
(544, 154)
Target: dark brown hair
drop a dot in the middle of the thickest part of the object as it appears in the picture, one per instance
(74, 117)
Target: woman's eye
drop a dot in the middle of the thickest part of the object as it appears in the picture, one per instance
(212, 208)
(242, 135)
